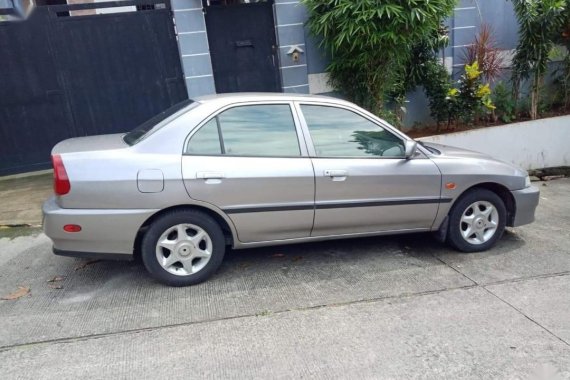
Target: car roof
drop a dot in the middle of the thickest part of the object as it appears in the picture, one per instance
(261, 96)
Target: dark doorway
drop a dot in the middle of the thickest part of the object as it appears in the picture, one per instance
(243, 46)
(67, 72)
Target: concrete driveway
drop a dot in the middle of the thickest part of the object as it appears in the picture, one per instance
(396, 307)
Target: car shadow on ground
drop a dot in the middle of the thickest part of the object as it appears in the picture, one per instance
(307, 261)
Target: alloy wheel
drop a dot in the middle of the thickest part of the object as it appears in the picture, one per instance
(479, 222)
(184, 249)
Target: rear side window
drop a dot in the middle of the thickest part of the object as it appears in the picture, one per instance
(257, 130)
(206, 141)
(154, 123)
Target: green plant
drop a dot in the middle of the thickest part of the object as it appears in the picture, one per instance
(370, 41)
(539, 21)
(485, 51)
(473, 97)
(503, 100)
(562, 72)
(562, 82)
(422, 68)
(437, 85)
(470, 100)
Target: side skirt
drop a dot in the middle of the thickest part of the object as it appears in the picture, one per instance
(240, 245)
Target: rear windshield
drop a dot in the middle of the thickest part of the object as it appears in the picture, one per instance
(145, 129)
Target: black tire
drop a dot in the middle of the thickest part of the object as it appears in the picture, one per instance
(454, 236)
(173, 218)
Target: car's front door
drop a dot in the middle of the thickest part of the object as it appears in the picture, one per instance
(248, 161)
(364, 183)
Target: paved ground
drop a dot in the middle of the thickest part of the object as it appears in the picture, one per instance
(398, 307)
(22, 198)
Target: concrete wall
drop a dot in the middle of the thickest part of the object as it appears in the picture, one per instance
(308, 74)
(530, 145)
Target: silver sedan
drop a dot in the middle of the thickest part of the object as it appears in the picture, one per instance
(248, 170)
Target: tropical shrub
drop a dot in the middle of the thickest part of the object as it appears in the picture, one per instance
(539, 21)
(467, 102)
(370, 41)
(562, 74)
(486, 52)
(473, 96)
(505, 104)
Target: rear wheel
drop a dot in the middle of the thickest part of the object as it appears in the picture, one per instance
(183, 248)
(477, 221)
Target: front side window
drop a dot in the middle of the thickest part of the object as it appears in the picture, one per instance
(337, 132)
(257, 130)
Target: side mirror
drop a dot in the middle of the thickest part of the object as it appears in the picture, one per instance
(410, 146)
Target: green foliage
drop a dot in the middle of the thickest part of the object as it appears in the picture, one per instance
(474, 97)
(419, 67)
(503, 100)
(562, 82)
(469, 101)
(370, 42)
(437, 85)
(562, 74)
(539, 21)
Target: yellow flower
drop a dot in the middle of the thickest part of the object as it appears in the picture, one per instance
(472, 71)
(453, 92)
(483, 91)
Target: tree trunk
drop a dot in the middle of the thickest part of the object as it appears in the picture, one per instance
(534, 96)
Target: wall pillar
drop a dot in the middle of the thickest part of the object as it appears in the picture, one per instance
(193, 47)
(290, 17)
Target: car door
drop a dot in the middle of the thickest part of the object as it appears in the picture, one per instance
(363, 181)
(250, 161)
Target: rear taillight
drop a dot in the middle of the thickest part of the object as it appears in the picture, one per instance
(61, 185)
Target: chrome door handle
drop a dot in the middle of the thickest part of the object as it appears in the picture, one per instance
(335, 173)
(209, 175)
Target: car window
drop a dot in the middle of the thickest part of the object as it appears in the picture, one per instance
(153, 124)
(206, 140)
(337, 132)
(257, 130)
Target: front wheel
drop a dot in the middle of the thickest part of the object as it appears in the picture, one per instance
(183, 248)
(477, 221)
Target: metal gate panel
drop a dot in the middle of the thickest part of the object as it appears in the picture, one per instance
(63, 76)
(243, 47)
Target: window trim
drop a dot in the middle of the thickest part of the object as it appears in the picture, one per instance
(303, 151)
(311, 146)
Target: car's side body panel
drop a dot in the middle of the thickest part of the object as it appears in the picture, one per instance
(102, 230)
(115, 188)
(466, 169)
(266, 198)
(376, 195)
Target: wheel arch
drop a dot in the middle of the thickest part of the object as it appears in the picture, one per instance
(502, 191)
(226, 225)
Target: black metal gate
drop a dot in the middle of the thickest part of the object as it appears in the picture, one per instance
(243, 47)
(65, 74)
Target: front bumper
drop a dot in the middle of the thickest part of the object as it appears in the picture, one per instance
(102, 231)
(526, 201)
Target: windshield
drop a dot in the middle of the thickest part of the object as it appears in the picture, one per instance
(140, 132)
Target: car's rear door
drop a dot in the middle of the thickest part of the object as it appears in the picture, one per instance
(250, 160)
(364, 183)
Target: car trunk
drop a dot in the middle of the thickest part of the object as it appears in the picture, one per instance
(90, 143)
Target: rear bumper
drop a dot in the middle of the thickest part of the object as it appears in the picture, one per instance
(526, 201)
(103, 232)
(93, 255)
